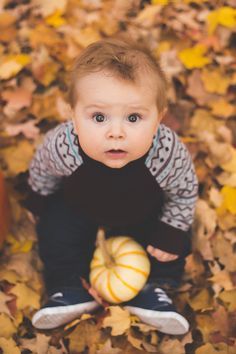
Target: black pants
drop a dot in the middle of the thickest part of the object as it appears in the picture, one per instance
(67, 242)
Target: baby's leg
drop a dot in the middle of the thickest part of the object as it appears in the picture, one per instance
(66, 244)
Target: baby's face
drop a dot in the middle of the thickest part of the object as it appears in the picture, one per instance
(115, 114)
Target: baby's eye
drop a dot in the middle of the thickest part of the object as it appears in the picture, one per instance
(134, 117)
(98, 117)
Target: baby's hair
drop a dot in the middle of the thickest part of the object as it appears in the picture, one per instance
(123, 57)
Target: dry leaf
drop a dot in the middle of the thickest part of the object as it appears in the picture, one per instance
(7, 328)
(25, 297)
(170, 346)
(194, 57)
(108, 349)
(202, 301)
(8, 346)
(119, 320)
(29, 129)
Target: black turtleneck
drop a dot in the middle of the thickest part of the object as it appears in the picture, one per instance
(113, 196)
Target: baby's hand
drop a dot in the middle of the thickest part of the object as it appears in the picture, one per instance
(161, 255)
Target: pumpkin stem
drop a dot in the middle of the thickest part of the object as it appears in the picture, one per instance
(101, 241)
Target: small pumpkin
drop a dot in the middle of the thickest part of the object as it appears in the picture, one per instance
(119, 268)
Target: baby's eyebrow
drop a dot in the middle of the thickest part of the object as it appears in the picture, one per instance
(138, 107)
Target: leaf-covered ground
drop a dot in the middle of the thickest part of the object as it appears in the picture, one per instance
(196, 44)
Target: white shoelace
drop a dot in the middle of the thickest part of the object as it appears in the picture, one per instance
(162, 296)
(56, 295)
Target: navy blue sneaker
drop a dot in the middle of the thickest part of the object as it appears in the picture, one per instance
(154, 307)
(64, 306)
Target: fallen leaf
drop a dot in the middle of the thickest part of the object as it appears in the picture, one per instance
(202, 301)
(170, 346)
(86, 334)
(18, 157)
(12, 64)
(119, 320)
(48, 7)
(229, 298)
(225, 16)
(206, 349)
(108, 349)
(4, 298)
(8, 346)
(25, 297)
(7, 328)
(194, 57)
(214, 81)
(222, 108)
(29, 129)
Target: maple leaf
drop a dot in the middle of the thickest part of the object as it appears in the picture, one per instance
(119, 320)
(225, 16)
(194, 57)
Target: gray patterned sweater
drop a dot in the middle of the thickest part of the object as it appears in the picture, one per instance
(167, 165)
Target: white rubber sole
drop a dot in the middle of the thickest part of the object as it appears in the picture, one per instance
(165, 322)
(52, 317)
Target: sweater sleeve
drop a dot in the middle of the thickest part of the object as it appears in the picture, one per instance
(57, 157)
(174, 171)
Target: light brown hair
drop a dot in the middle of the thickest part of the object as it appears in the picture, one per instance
(126, 59)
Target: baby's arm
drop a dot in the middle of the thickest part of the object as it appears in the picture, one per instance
(55, 158)
(177, 178)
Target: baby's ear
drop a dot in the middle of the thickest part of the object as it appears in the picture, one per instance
(69, 111)
(162, 114)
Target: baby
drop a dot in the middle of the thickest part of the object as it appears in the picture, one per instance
(113, 164)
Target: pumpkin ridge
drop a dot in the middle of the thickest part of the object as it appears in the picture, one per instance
(133, 268)
(97, 276)
(110, 289)
(121, 245)
(96, 266)
(141, 253)
(124, 282)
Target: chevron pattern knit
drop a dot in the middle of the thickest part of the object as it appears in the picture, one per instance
(168, 161)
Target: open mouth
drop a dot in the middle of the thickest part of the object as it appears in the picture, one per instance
(116, 151)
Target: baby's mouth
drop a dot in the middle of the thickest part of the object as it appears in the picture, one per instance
(115, 151)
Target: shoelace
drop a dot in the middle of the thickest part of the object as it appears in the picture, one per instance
(162, 296)
(56, 295)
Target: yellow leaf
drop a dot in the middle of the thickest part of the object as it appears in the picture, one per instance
(194, 57)
(215, 82)
(12, 64)
(206, 325)
(26, 297)
(4, 298)
(19, 246)
(7, 328)
(229, 199)
(202, 301)
(225, 16)
(206, 349)
(230, 166)
(9, 275)
(48, 7)
(119, 320)
(160, 2)
(18, 157)
(229, 297)
(8, 346)
(222, 108)
(56, 19)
